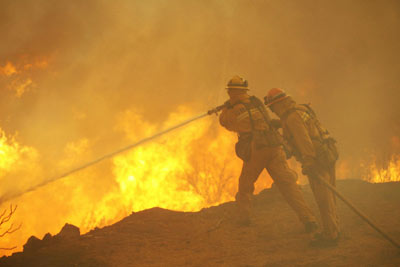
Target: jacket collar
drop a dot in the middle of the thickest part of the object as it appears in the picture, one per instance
(239, 97)
(282, 107)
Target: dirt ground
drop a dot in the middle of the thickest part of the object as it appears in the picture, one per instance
(211, 237)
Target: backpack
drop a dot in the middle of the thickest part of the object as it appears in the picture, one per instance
(326, 150)
(261, 138)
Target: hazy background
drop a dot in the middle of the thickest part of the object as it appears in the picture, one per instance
(81, 78)
(104, 57)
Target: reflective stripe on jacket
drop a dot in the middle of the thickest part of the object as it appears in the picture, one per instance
(237, 118)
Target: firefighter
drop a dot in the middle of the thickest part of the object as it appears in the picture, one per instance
(259, 146)
(315, 149)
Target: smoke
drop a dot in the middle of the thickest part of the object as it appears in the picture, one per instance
(107, 57)
(106, 60)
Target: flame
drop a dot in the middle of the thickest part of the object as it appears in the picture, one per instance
(388, 173)
(13, 156)
(168, 174)
(20, 87)
(16, 163)
(19, 74)
(8, 69)
(192, 168)
(37, 64)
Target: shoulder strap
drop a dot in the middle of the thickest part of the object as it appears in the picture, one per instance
(309, 110)
(323, 132)
(246, 105)
(254, 101)
(260, 106)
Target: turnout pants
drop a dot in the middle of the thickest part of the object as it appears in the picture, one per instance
(274, 160)
(326, 201)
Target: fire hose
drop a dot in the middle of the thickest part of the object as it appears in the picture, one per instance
(10, 196)
(353, 208)
(144, 140)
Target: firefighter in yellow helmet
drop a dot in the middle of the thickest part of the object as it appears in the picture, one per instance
(315, 149)
(259, 146)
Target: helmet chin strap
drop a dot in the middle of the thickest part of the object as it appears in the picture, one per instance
(237, 94)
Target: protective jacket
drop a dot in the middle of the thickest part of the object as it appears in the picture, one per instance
(259, 148)
(236, 117)
(305, 134)
(316, 150)
(247, 116)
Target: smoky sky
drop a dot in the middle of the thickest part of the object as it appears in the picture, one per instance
(151, 56)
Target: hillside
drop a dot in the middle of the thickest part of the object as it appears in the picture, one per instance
(158, 237)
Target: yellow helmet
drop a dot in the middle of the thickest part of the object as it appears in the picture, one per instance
(237, 83)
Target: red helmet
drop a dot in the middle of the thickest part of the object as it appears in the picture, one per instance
(274, 95)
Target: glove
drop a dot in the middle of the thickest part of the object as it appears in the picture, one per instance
(288, 151)
(228, 104)
(275, 123)
(309, 165)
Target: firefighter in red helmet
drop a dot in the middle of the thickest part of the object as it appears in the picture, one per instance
(312, 145)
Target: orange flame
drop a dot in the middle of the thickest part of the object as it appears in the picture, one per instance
(389, 173)
(16, 162)
(187, 170)
(8, 69)
(20, 75)
(13, 156)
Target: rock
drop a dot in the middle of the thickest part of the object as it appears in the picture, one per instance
(32, 244)
(47, 240)
(69, 231)
(47, 237)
